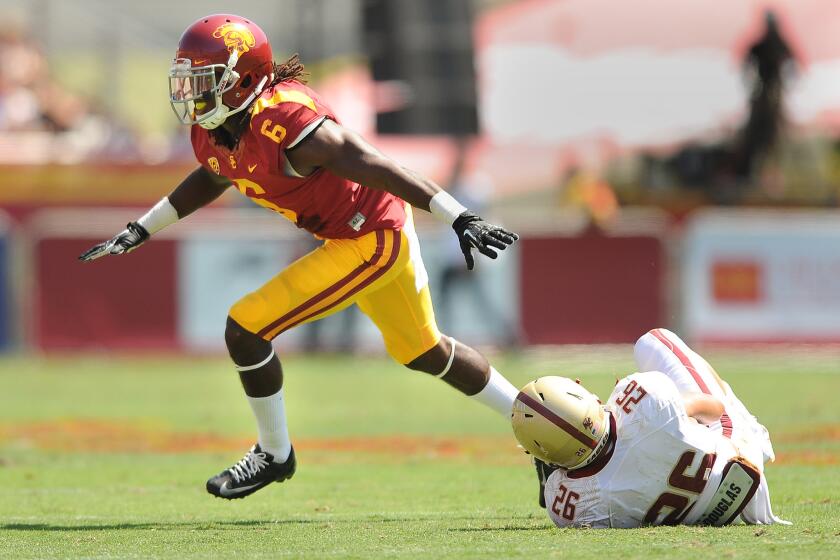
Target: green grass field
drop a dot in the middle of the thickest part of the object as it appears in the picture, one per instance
(107, 459)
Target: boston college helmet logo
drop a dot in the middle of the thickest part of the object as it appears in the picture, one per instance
(236, 36)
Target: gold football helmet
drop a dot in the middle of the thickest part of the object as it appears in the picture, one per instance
(559, 422)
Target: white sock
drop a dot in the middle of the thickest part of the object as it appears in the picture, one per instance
(498, 394)
(270, 413)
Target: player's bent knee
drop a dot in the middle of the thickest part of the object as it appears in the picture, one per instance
(645, 340)
(250, 312)
(650, 336)
(243, 344)
(644, 351)
(434, 360)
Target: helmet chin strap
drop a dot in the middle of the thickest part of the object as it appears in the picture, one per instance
(217, 118)
(598, 448)
(222, 111)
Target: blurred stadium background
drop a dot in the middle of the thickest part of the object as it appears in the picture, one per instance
(673, 164)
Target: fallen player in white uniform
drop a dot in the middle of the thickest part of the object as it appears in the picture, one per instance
(673, 445)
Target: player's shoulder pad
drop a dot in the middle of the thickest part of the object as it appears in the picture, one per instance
(284, 102)
(285, 114)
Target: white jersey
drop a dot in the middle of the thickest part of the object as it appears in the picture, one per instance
(664, 467)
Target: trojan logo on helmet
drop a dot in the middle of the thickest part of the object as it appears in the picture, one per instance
(237, 37)
(222, 64)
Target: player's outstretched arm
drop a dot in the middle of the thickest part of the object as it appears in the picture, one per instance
(198, 189)
(348, 155)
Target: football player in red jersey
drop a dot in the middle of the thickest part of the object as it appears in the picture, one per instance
(258, 127)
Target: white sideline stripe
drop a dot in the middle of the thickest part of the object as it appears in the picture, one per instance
(257, 366)
(451, 358)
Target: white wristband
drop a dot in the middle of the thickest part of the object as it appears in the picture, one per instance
(446, 208)
(161, 215)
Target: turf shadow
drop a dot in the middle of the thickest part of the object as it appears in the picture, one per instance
(217, 525)
(501, 528)
(214, 526)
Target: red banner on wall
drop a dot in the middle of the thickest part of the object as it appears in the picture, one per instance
(590, 289)
(114, 303)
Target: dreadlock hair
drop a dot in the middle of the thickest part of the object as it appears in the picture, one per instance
(291, 69)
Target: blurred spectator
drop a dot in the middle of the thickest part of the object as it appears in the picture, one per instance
(472, 189)
(767, 63)
(22, 68)
(44, 122)
(587, 190)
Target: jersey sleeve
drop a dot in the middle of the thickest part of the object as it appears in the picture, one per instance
(575, 502)
(287, 122)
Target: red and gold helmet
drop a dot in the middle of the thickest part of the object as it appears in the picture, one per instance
(222, 64)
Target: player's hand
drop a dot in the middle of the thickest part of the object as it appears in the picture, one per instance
(473, 232)
(129, 239)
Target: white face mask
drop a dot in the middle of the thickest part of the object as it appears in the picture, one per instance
(216, 119)
(196, 95)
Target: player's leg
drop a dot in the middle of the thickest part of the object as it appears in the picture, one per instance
(752, 435)
(272, 459)
(322, 282)
(261, 376)
(662, 350)
(411, 343)
(468, 371)
(402, 310)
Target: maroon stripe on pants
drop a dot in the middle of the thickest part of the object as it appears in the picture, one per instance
(684, 360)
(726, 424)
(725, 420)
(380, 248)
(395, 251)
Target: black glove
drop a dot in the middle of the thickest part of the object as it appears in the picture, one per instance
(474, 232)
(129, 239)
(543, 472)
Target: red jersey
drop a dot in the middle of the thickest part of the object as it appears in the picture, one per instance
(322, 203)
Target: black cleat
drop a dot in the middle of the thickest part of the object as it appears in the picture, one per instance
(255, 470)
